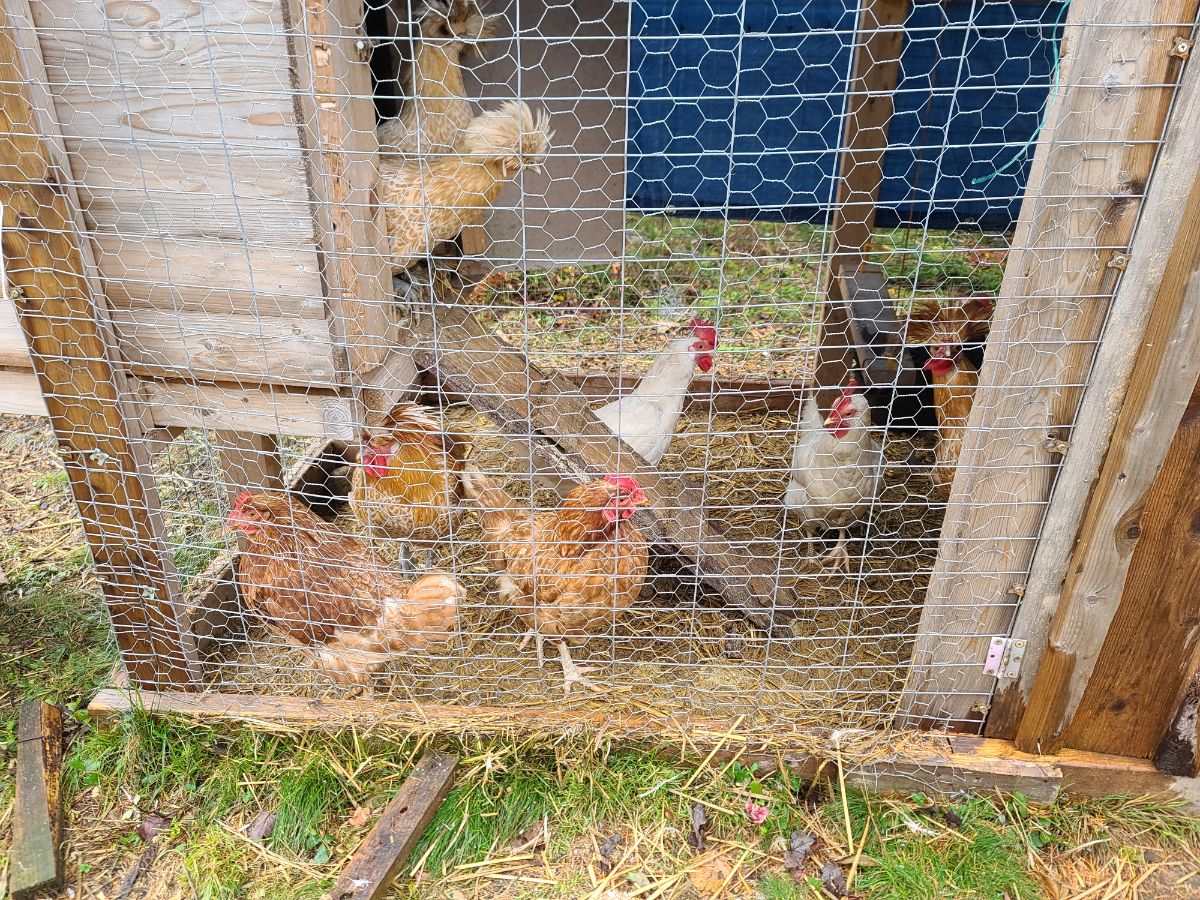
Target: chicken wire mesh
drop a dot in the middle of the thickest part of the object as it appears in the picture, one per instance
(656, 192)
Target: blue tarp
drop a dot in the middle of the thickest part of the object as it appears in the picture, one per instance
(738, 105)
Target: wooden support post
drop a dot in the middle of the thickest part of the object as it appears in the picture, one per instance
(35, 864)
(1123, 643)
(378, 859)
(98, 426)
(249, 462)
(544, 408)
(1099, 140)
(337, 118)
(879, 38)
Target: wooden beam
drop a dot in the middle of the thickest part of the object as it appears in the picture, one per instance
(879, 38)
(1099, 141)
(249, 462)
(35, 864)
(1145, 313)
(379, 858)
(337, 125)
(927, 762)
(542, 407)
(1124, 636)
(98, 426)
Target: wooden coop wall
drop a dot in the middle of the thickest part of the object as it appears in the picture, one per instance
(177, 282)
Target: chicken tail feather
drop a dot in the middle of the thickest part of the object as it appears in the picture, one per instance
(510, 134)
(493, 501)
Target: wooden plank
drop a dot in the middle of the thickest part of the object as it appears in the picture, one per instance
(21, 394)
(243, 348)
(378, 859)
(879, 37)
(501, 382)
(1178, 752)
(14, 352)
(1123, 645)
(35, 863)
(1145, 309)
(99, 428)
(928, 762)
(337, 127)
(1099, 141)
(259, 410)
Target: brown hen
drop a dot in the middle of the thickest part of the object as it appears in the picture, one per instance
(409, 486)
(946, 329)
(326, 593)
(569, 571)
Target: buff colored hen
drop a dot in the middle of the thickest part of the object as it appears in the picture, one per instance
(567, 572)
(327, 594)
(428, 201)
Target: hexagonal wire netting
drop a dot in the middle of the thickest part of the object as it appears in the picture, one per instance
(650, 231)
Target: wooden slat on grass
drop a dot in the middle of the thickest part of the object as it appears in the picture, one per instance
(386, 848)
(35, 863)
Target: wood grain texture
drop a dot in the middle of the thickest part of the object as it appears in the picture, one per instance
(385, 849)
(1145, 308)
(259, 410)
(14, 352)
(1151, 647)
(501, 382)
(99, 428)
(337, 128)
(21, 394)
(878, 40)
(35, 863)
(1084, 193)
(249, 462)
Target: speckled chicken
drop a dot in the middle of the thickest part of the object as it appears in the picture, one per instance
(437, 108)
(408, 484)
(326, 593)
(837, 469)
(428, 201)
(946, 329)
(567, 572)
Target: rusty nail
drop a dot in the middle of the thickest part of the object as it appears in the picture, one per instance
(1183, 47)
(1055, 445)
(1119, 261)
(1017, 589)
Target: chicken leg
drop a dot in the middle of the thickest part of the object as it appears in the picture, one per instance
(537, 636)
(574, 674)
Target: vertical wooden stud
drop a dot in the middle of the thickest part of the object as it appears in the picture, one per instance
(35, 863)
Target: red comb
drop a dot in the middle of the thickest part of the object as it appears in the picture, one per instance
(624, 482)
(850, 386)
(241, 499)
(704, 331)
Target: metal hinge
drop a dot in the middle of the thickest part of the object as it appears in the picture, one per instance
(1004, 658)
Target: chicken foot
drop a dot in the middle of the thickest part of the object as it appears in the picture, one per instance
(838, 559)
(574, 674)
(537, 636)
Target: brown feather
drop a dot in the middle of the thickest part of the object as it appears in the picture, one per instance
(953, 394)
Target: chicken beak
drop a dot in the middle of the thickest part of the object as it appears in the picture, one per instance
(831, 420)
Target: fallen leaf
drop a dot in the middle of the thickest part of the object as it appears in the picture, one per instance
(262, 826)
(360, 817)
(833, 879)
(532, 839)
(321, 856)
(953, 819)
(152, 824)
(800, 847)
(755, 813)
(709, 877)
(609, 845)
(699, 826)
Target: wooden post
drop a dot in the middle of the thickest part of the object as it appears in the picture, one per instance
(337, 118)
(1145, 314)
(879, 38)
(544, 408)
(249, 462)
(1123, 643)
(36, 860)
(1099, 140)
(99, 428)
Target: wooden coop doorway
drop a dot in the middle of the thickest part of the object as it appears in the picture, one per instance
(204, 295)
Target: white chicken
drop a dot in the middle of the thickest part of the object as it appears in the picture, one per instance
(646, 418)
(837, 469)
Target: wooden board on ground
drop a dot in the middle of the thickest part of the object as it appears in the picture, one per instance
(1117, 86)
(35, 863)
(66, 324)
(540, 407)
(379, 857)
